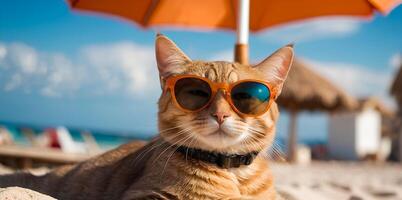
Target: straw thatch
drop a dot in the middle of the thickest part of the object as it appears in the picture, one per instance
(396, 88)
(306, 90)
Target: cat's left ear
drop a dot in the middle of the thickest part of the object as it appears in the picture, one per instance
(276, 67)
(170, 59)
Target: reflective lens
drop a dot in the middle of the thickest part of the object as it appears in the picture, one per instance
(192, 93)
(251, 97)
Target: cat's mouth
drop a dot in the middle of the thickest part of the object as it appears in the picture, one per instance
(222, 133)
(221, 138)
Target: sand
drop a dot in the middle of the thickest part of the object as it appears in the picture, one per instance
(17, 193)
(317, 181)
(339, 180)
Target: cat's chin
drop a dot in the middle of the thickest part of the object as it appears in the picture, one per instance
(221, 140)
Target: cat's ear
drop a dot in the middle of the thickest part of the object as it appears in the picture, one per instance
(170, 59)
(276, 67)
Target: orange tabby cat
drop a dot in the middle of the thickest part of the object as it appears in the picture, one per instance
(211, 145)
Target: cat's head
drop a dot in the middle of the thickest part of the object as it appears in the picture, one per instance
(218, 127)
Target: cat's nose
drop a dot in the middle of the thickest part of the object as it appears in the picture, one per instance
(220, 116)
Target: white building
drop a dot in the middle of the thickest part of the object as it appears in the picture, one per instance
(357, 135)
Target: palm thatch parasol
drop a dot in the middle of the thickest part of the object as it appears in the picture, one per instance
(306, 90)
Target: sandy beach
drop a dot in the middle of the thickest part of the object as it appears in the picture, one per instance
(333, 180)
(339, 180)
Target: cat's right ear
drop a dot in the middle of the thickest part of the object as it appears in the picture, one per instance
(170, 59)
(276, 67)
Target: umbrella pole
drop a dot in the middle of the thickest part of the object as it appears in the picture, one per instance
(292, 137)
(241, 47)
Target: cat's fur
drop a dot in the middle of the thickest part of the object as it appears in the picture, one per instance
(154, 170)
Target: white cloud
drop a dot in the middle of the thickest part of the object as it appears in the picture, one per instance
(313, 29)
(25, 58)
(23, 67)
(63, 77)
(122, 67)
(355, 79)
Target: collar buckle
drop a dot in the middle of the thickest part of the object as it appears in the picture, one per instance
(228, 161)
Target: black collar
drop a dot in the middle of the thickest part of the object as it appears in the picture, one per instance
(225, 161)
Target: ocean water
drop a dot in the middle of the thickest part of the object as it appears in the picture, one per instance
(105, 139)
(111, 139)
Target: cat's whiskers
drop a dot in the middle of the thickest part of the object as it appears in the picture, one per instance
(143, 154)
(243, 124)
(178, 126)
(261, 148)
(246, 142)
(254, 143)
(240, 127)
(174, 151)
(158, 144)
(167, 148)
(256, 131)
(278, 152)
(183, 131)
(278, 144)
(191, 142)
(273, 149)
(273, 153)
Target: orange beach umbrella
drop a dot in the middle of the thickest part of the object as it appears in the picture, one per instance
(239, 15)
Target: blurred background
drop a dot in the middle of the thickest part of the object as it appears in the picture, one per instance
(78, 83)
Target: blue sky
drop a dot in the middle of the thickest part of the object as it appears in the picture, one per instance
(59, 67)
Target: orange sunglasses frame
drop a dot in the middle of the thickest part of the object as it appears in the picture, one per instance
(226, 87)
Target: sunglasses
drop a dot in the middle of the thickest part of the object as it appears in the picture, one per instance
(246, 97)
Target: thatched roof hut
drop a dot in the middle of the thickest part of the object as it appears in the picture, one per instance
(306, 90)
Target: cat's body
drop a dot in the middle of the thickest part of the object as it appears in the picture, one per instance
(133, 171)
(156, 170)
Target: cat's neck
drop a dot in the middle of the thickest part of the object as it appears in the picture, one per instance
(219, 159)
(246, 180)
(222, 160)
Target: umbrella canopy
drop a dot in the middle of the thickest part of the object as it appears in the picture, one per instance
(240, 15)
(222, 13)
(306, 90)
